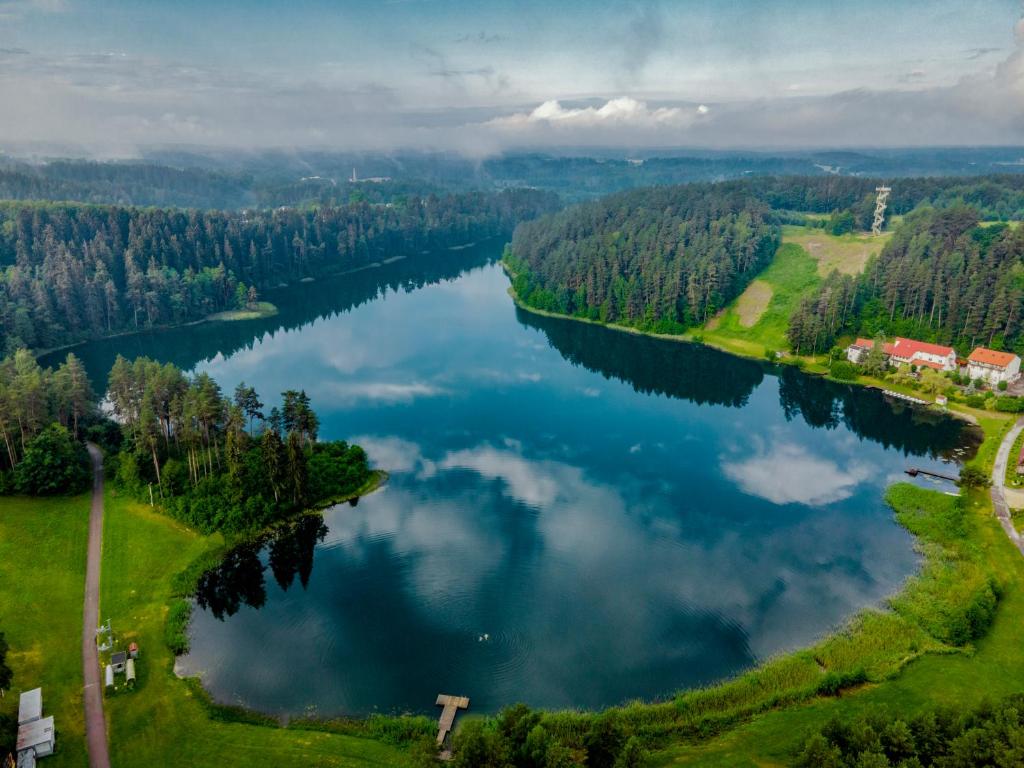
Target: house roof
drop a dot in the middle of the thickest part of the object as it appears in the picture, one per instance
(991, 357)
(118, 658)
(930, 363)
(863, 344)
(30, 705)
(35, 733)
(909, 347)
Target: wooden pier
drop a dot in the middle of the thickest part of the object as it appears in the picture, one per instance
(452, 705)
(914, 472)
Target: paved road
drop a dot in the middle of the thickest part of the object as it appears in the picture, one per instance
(95, 725)
(998, 478)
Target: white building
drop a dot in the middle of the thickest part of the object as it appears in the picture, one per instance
(906, 351)
(992, 366)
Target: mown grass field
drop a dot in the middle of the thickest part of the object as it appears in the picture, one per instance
(164, 718)
(790, 276)
(42, 583)
(751, 325)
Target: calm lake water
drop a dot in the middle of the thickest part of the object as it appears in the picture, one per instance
(575, 516)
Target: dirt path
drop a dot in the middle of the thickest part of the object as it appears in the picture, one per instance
(998, 478)
(95, 725)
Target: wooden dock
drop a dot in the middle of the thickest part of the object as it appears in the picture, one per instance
(914, 472)
(452, 705)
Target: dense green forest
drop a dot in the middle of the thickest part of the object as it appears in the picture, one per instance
(660, 259)
(70, 272)
(221, 463)
(43, 415)
(942, 277)
(991, 734)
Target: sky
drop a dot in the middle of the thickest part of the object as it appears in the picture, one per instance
(479, 77)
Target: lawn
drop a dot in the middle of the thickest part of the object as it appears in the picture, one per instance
(163, 717)
(42, 584)
(790, 276)
(847, 253)
(756, 322)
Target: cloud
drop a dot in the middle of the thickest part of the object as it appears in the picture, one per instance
(644, 35)
(394, 454)
(481, 38)
(382, 391)
(787, 473)
(624, 112)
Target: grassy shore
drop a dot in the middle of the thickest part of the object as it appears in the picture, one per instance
(42, 583)
(255, 312)
(143, 554)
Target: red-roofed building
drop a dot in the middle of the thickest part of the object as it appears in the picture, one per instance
(992, 366)
(907, 352)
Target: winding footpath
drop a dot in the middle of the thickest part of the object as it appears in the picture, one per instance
(95, 724)
(998, 480)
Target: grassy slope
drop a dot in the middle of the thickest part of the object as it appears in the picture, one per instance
(142, 552)
(42, 582)
(792, 275)
(996, 666)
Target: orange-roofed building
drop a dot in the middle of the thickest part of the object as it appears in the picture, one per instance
(992, 366)
(907, 351)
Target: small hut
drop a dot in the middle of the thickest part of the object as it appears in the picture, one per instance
(129, 673)
(30, 706)
(117, 661)
(133, 650)
(109, 676)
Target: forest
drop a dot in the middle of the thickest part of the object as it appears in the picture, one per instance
(216, 462)
(222, 463)
(943, 277)
(661, 259)
(70, 272)
(991, 733)
(44, 416)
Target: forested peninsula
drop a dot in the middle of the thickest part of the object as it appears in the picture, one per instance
(665, 260)
(70, 272)
(660, 259)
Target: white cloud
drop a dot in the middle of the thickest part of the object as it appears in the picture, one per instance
(381, 391)
(786, 473)
(394, 454)
(623, 112)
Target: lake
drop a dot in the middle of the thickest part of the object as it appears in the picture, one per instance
(575, 516)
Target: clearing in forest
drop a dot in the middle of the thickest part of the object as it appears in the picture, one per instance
(758, 319)
(753, 302)
(849, 254)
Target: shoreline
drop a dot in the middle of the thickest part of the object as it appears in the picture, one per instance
(955, 410)
(885, 663)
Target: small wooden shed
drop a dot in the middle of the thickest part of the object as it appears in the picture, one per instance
(30, 706)
(129, 673)
(108, 676)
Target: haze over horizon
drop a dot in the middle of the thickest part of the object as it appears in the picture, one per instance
(112, 78)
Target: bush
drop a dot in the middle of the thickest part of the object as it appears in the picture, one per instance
(835, 682)
(1003, 386)
(972, 477)
(975, 401)
(843, 370)
(53, 463)
(1010, 404)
